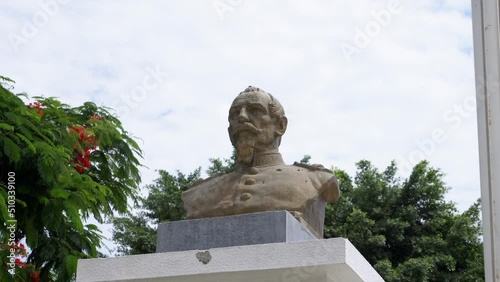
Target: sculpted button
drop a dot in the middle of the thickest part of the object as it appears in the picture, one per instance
(250, 181)
(253, 170)
(245, 196)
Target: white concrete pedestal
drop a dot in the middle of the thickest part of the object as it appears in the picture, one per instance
(330, 260)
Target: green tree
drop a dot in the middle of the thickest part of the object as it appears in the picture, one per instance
(70, 164)
(406, 229)
(305, 159)
(218, 166)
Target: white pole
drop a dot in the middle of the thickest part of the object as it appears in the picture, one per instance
(485, 18)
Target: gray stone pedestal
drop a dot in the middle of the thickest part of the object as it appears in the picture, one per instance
(227, 231)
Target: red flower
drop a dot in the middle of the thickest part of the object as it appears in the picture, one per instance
(38, 106)
(88, 143)
(80, 130)
(85, 141)
(35, 276)
(20, 263)
(79, 169)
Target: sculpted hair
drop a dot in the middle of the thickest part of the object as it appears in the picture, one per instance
(276, 110)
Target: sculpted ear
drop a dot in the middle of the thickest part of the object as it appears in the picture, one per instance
(283, 122)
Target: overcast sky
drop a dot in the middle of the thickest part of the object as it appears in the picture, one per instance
(379, 80)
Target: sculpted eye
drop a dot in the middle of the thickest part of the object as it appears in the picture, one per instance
(233, 112)
(257, 110)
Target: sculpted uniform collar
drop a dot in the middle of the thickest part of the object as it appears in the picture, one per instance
(270, 158)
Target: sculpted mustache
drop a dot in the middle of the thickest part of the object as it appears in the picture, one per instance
(244, 127)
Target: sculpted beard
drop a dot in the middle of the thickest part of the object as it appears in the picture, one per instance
(244, 137)
(245, 147)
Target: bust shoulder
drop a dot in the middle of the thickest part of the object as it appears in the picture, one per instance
(329, 185)
(201, 181)
(313, 167)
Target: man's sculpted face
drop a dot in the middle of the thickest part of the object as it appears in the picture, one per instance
(252, 128)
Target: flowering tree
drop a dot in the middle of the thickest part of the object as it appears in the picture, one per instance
(20, 270)
(59, 165)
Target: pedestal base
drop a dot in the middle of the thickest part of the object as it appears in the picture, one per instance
(331, 260)
(227, 231)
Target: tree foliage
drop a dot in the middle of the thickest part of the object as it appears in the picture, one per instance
(55, 192)
(224, 166)
(404, 228)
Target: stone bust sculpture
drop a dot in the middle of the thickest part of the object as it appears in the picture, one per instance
(261, 180)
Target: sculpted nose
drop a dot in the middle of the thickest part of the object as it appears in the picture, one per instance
(243, 117)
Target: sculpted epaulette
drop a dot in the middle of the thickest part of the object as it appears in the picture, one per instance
(313, 167)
